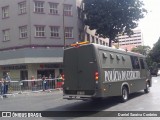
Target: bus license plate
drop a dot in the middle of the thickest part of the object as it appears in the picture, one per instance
(80, 93)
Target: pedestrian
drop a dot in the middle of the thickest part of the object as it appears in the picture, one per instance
(44, 82)
(33, 83)
(2, 86)
(50, 82)
(7, 77)
(7, 80)
(59, 81)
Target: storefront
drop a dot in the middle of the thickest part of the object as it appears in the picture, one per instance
(26, 71)
(17, 72)
(22, 64)
(49, 70)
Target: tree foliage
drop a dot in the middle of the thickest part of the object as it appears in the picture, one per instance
(149, 61)
(155, 52)
(142, 50)
(112, 17)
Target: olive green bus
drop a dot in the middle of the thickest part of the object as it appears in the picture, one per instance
(97, 71)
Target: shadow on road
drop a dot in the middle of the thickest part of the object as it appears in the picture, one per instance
(136, 94)
(92, 108)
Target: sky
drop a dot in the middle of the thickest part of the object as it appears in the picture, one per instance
(150, 25)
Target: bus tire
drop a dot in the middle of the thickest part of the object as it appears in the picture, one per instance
(147, 89)
(125, 94)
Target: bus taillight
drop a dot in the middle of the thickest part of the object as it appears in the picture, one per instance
(96, 76)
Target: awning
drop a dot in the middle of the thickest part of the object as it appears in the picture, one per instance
(31, 55)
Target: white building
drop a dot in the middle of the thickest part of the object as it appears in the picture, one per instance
(135, 39)
(128, 42)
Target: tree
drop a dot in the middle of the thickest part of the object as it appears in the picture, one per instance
(112, 17)
(149, 61)
(142, 50)
(155, 52)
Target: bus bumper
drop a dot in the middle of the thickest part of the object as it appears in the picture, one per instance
(77, 97)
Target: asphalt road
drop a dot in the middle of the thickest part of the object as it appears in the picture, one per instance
(53, 101)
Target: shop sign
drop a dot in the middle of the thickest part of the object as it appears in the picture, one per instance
(50, 65)
(14, 67)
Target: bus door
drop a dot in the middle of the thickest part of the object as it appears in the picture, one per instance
(79, 70)
(86, 69)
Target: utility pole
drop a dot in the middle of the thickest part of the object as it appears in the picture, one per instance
(64, 39)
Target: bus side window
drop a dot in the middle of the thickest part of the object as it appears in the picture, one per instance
(142, 64)
(135, 62)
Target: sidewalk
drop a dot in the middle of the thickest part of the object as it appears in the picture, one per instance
(29, 92)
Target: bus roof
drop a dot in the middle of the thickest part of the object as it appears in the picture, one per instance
(116, 50)
(102, 47)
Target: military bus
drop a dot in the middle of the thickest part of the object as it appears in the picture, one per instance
(95, 71)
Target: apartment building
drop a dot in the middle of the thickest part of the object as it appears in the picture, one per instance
(32, 34)
(129, 42)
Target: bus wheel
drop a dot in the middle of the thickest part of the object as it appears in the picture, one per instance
(125, 94)
(147, 89)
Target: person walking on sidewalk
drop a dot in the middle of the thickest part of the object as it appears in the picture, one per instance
(33, 83)
(7, 80)
(44, 82)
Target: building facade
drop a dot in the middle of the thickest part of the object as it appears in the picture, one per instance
(90, 36)
(134, 40)
(32, 36)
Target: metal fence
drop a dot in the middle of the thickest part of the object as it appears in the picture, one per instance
(33, 85)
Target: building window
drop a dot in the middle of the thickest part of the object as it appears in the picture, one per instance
(80, 36)
(23, 31)
(22, 7)
(97, 40)
(68, 32)
(92, 39)
(68, 10)
(5, 12)
(80, 13)
(54, 31)
(88, 37)
(40, 31)
(39, 7)
(100, 42)
(6, 35)
(103, 43)
(53, 8)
